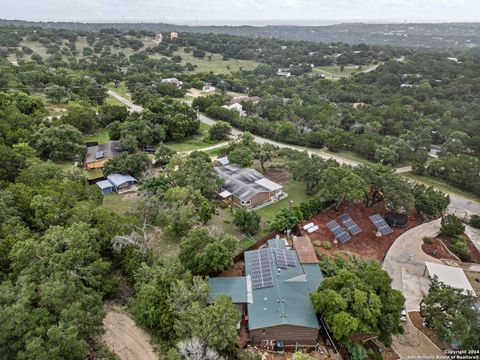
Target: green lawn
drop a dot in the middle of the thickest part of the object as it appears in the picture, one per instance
(113, 101)
(216, 64)
(101, 137)
(120, 204)
(197, 142)
(296, 195)
(121, 89)
(333, 72)
(440, 185)
(215, 152)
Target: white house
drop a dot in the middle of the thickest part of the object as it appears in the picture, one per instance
(173, 81)
(236, 107)
(284, 72)
(208, 88)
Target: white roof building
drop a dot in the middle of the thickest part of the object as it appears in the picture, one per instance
(449, 275)
(236, 107)
(174, 81)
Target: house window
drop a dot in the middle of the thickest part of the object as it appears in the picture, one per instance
(246, 202)
(264, 332)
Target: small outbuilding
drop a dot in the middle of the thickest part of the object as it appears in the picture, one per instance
(122, 183)
(449, 275)
(105, 186)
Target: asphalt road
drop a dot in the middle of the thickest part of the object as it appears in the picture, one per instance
(458, 204)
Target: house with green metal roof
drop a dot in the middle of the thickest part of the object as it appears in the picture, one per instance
(275, 295)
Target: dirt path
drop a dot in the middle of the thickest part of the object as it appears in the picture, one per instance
(125, 338)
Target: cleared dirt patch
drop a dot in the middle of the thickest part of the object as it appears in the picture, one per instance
(125, 338)
(441, 248)
(365, 244)
(277, 174)
(437, 249)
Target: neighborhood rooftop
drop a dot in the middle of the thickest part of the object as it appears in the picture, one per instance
(110, 149)
(244, 183)
(449, 275)
(287, 302)
(276, 287)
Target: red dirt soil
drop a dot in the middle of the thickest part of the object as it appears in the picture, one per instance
(437, 249)
(475, 253)
(365, 244)
(417, 320)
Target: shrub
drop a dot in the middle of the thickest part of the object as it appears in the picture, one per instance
(326, 244)
(460, 248)
(452, 226)
(286, 219)
(427, 240)
(316, 243)
(475, 221)
(247, 221)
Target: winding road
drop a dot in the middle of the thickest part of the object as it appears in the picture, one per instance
(458, 204)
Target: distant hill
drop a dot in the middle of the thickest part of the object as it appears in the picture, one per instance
(443, 35)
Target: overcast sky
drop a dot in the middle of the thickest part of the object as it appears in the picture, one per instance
(243, 11)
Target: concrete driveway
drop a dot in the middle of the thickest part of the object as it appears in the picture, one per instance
(405, 263)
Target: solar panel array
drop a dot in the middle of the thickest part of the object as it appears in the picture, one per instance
(339, 232)
(281, 259)
(290, 258)
(351, 225)
(261, 271)
(284, 258)
(381, 224)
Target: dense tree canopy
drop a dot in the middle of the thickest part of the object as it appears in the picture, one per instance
(451, 314)
(357, 299)
(202, 253)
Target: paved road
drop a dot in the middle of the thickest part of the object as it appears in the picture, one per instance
(405, 263)
(458, 203)
(125, 101)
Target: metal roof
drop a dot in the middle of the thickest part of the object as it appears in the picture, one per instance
(223, 160)
(104, 184)
(119, 179)
(269, 184)
(243, 182)
(224, 194)
(288, 301)
(239, 288)
(110, 149)
(314, 275)
(449, 275)
(305, 251)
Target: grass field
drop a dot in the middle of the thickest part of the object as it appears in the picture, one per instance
(216, 64)
(121, 89)
(334, 72)
(120, 204)
(112, 101)
(101, 137)
(197, 142)
(296, 195)
(440, 185)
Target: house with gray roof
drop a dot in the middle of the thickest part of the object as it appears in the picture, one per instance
(246, 187)
(97, 155)
(122, 183)
(274, 295)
